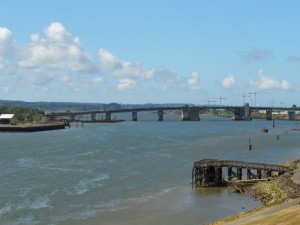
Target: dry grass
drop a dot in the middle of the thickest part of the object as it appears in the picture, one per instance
(288, 216)
(241, 215)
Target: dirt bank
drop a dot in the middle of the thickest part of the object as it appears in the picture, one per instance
(280, 197)
(280, 189)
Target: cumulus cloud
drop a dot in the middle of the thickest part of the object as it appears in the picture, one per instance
(126, 84)
(122, 68)
(193, 81)
(257, 54)
(96, 80)
(7, 49)
(6, 89)
(6, 41)
(229, 81)
(56, 58)
(59, 50)
(268, 83)
(166, 75)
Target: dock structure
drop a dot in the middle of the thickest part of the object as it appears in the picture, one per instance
(210, 172)
(31, 128)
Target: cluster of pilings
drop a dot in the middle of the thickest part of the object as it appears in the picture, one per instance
(210, 172)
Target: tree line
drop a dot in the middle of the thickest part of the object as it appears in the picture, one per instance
(23, 114)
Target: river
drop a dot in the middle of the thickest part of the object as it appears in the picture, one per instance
(131, 173)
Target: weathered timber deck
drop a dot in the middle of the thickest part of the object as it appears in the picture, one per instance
(209, 172)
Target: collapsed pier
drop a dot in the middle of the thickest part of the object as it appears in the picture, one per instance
(213, 172)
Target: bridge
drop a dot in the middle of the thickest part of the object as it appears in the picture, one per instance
(188, 113)
(209, 172)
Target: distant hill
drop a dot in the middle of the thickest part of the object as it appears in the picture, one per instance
(80, 106)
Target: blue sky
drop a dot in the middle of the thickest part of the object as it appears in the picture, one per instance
(151, 51)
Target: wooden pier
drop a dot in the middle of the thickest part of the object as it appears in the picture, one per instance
(210, 172)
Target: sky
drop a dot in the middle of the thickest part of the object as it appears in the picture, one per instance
(151, 51)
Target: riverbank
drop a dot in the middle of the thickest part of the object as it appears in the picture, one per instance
(281, 202)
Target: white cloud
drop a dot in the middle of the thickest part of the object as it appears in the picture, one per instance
(97, 80)
(7, 47)
(56, 59)
(35, 37)
(59, 50)
(5, 38)
(268, 83)
(126, 84)
(121, 68)
(166, 76)
(193, 81)
(229, 81)
(6, 89)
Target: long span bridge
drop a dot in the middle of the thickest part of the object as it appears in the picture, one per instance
(188, 113)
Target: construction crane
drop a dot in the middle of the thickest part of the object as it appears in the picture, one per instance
(244, 96)
(253, 93)
(220, 99)
(209, 101)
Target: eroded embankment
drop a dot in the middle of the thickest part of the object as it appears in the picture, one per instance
(277, 190)
(272, 192)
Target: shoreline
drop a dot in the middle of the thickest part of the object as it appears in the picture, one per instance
(281, 209)
(258, 214)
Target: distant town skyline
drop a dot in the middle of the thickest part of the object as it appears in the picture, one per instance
(138, 52)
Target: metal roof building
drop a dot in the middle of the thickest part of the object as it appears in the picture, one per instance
(8, 119)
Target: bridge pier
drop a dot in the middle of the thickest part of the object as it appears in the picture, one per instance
(251, 175)
(292, 115)
(243, 113)
(269, 114)
(72, 117)
(107, 116)
(229, 172)
(239, 173)
(160, 114)
(134, 116)
(190, 114)
(258, 174)
(218, 175)
(93, 116)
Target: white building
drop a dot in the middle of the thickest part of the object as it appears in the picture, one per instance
(8, 119)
